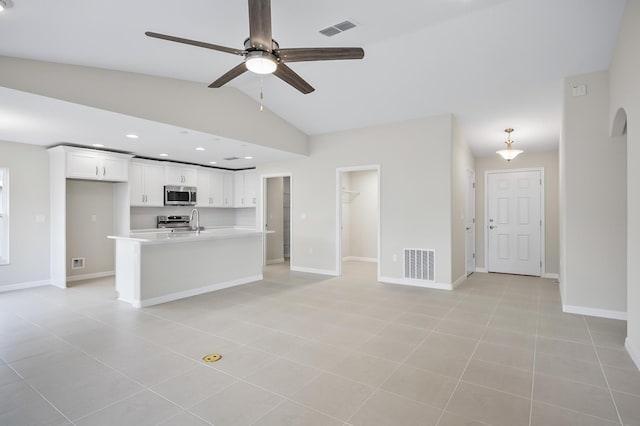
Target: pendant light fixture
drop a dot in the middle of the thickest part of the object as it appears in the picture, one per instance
(509, 153)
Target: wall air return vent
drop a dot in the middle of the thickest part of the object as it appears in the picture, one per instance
(337, 28)
(419, 264)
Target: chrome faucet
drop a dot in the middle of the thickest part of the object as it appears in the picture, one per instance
(195, 213)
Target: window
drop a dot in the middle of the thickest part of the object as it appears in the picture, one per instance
(4, 216)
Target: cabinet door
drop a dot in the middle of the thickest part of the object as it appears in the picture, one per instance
(154, 185)
(228, 189)
(173, 175)
(114, 169)
(203, 184)
(238, 189)
(216, 188)
(136, 184)
(250, 188)
(189, 177)
(83, 165)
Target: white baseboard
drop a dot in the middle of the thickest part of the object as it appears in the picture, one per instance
(274, 261)
(314, 271)
(360, 259)
(633, 351)
(192, 292)
(416, 283)
(459, 281)
(90, 276)
(22, 286)
(551, 275)
(594, 312)
(482, 270)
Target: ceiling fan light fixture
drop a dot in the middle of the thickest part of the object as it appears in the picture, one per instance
(260, 62)
(509, 153)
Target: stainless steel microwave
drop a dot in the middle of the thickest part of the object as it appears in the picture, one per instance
(179, 195)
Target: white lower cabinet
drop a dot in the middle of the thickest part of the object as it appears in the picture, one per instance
(146, 184)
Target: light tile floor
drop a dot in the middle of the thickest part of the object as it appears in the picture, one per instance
(302, 349)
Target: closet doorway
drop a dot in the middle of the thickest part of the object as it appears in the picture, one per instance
(277, 219)
(358, 215)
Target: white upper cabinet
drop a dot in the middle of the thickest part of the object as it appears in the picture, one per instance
(146, 184)
(96, 165)
(227, 184)
(180, 175)
(245, 188)
(203, 185)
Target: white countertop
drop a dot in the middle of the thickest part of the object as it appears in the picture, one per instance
(166, 236)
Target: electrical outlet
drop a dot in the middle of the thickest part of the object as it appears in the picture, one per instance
(94, 218)
(395, 257)
(77, 263)
(310, 250)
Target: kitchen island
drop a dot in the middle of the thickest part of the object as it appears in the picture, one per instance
(158, 267)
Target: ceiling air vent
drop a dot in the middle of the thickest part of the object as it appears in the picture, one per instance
(337, 28)
(231, 158)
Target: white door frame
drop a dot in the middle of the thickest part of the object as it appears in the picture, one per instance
(262, 213)
(543, 268)
(339, 171)
(470, 174)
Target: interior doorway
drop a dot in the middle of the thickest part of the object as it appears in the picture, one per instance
(358, 215)
(515, 229)
(277, 219)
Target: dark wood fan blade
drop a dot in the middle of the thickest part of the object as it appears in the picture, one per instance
(320, 54)
(287, 75)
(230, 75)
(196, 43)
(260, 25)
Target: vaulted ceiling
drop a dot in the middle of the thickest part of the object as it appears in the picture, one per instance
(492, 63)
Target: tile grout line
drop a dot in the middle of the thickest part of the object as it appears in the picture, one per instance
(486, 327)
(400, 364)
(26, 382)
(535, 352)
(615, 405)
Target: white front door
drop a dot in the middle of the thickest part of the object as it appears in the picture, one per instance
(514, 224)
(470, 223)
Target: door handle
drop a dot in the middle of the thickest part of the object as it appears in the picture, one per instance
(468, 228)
(491, 227)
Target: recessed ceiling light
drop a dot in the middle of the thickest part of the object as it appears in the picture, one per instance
(248, 158)
(98, 145)
(212, 162)
(132, 136)
(164, 155)
(200, 148)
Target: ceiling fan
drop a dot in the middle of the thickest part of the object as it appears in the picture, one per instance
(262, 54)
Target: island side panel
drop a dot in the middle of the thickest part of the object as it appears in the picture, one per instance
(128, 271)
(175, 271)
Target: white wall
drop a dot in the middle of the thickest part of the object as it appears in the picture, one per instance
(362, 214)
(549, 161)
(29, 198)
(86, 237)
(593, 214)
(415, 193)
(223, 112)
(624, 77)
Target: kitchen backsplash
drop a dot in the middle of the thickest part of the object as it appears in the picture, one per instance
(145, 217)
